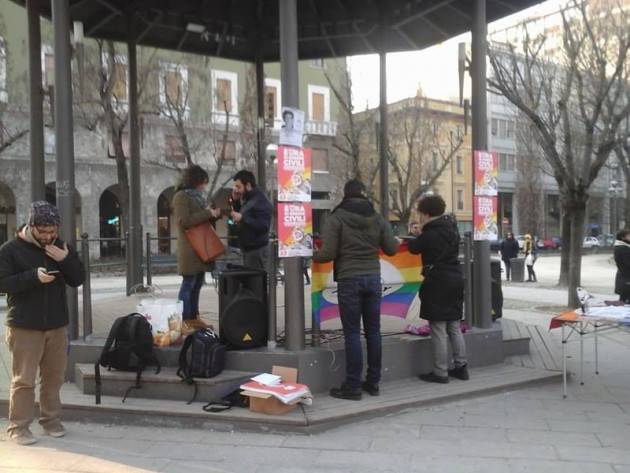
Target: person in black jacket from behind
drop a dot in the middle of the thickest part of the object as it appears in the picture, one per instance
(509, 250)
(34, 270)
(622, 260)
(442, 290)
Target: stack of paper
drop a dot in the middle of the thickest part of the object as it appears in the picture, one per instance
(267, 379)
(285, 392)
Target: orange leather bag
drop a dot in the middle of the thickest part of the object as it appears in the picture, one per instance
(205, 242)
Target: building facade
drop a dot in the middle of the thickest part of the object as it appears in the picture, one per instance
(193, 109)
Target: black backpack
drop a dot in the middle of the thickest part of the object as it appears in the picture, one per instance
(207, 358)
(129, 347)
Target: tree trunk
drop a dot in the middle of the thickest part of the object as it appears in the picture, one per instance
(578, 211)
(626, 210)
(563, 280)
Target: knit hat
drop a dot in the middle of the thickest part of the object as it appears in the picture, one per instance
(43, 214)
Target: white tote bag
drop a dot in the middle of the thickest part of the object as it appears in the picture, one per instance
(165, 317)
(529, 260)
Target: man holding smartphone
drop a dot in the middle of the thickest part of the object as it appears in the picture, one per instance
(34, 270)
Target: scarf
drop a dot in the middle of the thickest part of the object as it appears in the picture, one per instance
(198, 197)
(621, 243)
(27, 235)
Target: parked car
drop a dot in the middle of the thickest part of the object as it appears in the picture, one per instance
(606, 239)
(590, 243)
(557, 241)
(552, 243)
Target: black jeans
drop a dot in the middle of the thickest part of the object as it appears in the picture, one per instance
(360, 299)
(508, 268)
(189, 294)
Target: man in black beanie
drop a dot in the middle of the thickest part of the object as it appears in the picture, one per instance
(353, 235)
(34, 270)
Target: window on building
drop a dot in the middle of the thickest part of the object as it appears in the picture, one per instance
(174, 86)
(4, 96)
(502, 129)
(318, 63)
(318, 107)
(271, 94)
(506, 162)
(459, 165)
(435, 128)
(494, 127)
(173, 149)
(48, 66)
(460, 199)
(510, 129)
(318, 103)
(320, 160)
(119, 88)
(434, 162)
(225, 93)
(111, 151)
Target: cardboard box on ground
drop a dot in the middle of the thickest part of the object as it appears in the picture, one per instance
(268, 404)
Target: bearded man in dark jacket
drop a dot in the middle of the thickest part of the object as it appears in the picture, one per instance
(353, 236)
(34, 270)
(442, 290)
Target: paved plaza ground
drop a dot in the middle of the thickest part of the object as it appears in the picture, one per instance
(527, 430)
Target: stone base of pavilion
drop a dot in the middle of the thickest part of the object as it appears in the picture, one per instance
(505, 357)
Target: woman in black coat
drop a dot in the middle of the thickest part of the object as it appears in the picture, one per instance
(622, 260)
(442, 290)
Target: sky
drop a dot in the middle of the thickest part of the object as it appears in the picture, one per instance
(433, 69)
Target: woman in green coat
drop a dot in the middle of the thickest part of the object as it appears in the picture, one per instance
(190, 207)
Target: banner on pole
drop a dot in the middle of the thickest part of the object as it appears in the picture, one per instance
(294, 174)
(295, 230)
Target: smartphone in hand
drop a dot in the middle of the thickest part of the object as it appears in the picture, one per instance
(52, 272)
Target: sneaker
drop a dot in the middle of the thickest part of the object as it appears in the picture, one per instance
(433, 378)
(22, 437)
(460, 373)
(56, 431)
(346, 392)
(371, 388)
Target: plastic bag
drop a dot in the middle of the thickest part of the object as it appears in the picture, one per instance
(529, 260)
(165, 317)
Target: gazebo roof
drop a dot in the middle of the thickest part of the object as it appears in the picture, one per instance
(233, 28)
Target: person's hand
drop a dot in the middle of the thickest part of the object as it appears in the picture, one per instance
(216, 213)
(56, 253)
(43, 277)
(236, 216)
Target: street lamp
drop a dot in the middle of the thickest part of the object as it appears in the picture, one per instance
(614, 189)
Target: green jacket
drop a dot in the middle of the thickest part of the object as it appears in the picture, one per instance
(353, 235)
(188, 214)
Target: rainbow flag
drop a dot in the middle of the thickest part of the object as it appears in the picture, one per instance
(401, 281)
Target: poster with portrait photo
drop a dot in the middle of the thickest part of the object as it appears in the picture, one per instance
(292, 131)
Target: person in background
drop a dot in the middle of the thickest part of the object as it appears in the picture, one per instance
(190, 208)
(529, 248)
(509, 249)
(622, 260)
(251, 213)
(442, 290)
(414, 229)
(34, 270)
(353, 236)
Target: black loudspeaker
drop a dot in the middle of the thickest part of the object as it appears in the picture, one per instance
(243, 313)
(495, 288)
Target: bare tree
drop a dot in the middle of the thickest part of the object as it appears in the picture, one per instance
(575, 101)
(622, 151)
(106, 106)
(421, 148)
(528, 193)
(353, 131)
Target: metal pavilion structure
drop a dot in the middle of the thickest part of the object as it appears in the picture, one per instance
(258, 31)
